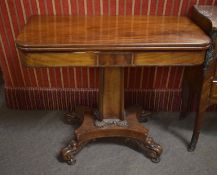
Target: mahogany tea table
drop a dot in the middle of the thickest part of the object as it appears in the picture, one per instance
(111, 43)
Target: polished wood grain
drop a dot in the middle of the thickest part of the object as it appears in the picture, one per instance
(111, 97)
(88, 131)
(115, 59)
(165, 58)
(59, 59)
(112, 59)
(111, 32)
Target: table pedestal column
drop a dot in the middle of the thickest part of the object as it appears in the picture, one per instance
(111, 120)
(111, 93)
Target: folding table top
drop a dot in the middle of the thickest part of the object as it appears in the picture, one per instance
(112, 33)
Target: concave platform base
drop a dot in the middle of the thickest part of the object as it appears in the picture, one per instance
(133, 132)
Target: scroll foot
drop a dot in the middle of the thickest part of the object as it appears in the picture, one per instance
(151, 149)
(68, 153)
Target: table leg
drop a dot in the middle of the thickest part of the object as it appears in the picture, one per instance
(111, 120)
(202, 106)
(198, 80)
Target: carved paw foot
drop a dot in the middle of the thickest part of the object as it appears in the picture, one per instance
(152, 149)
(68, 153)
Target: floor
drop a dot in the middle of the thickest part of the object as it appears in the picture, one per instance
(31, 140)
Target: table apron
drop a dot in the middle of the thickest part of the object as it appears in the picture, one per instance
(105, 59)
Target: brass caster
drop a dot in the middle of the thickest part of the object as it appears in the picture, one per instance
(71, 161)
(155, 160)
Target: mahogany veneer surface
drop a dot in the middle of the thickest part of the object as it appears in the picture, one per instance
(118, 59)
(111, 32)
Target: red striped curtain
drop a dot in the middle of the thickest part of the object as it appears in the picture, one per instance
(156, 88)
